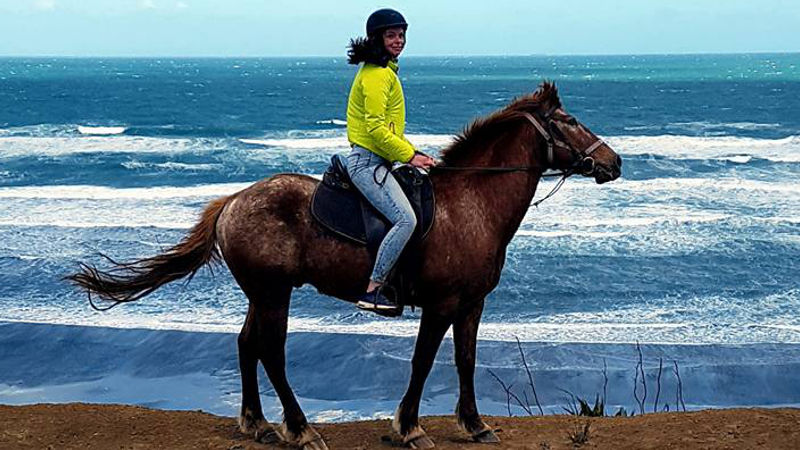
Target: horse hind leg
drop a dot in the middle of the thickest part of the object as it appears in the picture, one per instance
(272, 315)
(432, 329)
(251, 417)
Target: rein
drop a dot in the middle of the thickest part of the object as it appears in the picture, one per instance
(498, 170)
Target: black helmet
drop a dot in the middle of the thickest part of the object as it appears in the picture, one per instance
(384, 18)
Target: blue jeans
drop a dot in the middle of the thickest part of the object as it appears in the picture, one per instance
(370, 174)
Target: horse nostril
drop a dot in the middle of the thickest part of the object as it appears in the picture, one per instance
(619, 162)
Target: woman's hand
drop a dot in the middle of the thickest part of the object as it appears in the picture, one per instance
(422, 160)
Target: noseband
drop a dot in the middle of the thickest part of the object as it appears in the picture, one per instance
(583, 160)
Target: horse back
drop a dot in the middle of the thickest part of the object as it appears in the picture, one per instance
(266, 232)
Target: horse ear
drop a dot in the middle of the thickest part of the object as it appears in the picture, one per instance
(548, 93)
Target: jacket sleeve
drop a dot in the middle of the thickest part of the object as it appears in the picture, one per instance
(376, 86)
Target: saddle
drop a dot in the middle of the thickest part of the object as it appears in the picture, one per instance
(341, 209)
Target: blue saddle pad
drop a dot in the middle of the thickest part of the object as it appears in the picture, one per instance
(341, 209)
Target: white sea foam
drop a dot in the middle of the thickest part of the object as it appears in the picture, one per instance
(170, 165)
(703, 329)
(342, 123)
(305, 143)
(52, 140)
(581, 210)
(105, 207)
(108, 193)
(570, 233)
(40, 130)
(709, 185)
(341, 142)
(720, 147)
(100, 131)
(706, 126)
(16, 146)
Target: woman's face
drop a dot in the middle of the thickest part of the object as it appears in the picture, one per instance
(394, 39)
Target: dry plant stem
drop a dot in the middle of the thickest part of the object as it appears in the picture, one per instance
(639, 371)
(530, 377)
(636, 384)
(572, 402)
(522, 405)
(679, 389)
(658, 384)
(605, 380)
(509, 395)
(505, 388)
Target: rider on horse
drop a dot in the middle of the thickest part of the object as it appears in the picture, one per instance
(375, 126)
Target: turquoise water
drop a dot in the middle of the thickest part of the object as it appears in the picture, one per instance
(696, 243)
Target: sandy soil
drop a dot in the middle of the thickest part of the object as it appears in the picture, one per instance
(88, 426)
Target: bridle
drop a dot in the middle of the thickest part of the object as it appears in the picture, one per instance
(583, 164)
(583, 161)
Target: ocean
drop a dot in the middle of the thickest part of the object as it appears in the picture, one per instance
(694, 252)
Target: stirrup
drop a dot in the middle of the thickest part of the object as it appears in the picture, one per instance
(369, 302)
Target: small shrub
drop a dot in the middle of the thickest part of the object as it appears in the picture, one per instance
(580, 435)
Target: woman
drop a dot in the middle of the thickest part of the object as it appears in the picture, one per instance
(375, 126)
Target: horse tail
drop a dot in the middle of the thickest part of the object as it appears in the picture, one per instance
(130, 281)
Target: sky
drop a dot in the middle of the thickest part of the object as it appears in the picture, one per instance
(446, 27)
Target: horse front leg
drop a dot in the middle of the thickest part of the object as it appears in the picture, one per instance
(432, 328)
(465, 337)
(272, 315)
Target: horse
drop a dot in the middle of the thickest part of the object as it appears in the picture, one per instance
(266, 236)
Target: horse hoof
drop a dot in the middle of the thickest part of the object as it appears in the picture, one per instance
(249, 423)
(316, 444)
(421, 442)
(486, 436)
(267, 436)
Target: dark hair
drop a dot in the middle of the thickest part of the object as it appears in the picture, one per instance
(368, 49)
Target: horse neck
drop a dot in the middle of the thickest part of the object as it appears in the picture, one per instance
(501, 198)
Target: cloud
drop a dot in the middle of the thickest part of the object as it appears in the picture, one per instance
(181, 5)
(147, 4)
(45, 5)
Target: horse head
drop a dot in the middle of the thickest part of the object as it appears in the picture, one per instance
(571, 146)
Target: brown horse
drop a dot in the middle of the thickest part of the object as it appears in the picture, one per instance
(270, 243)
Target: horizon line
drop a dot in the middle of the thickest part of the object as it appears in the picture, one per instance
(478, 55)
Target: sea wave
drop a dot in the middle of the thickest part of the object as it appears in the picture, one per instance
(570, 192)
(341, 142)
(17, 146)
(693, 326)
(628, 216)
(706, 127)
(57, 140)
(339, 122)
(171, 166)
(40, 130)
(100, 131)
(108, 193)
(736, 149)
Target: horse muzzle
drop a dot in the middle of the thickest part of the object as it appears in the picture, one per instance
(604, 173)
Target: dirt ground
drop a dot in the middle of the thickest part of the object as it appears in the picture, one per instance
(87, 426)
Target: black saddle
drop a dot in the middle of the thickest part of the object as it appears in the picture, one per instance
(341, 209)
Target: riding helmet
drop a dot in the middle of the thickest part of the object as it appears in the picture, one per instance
(383, 19)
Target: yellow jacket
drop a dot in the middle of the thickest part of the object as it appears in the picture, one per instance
(376, 113)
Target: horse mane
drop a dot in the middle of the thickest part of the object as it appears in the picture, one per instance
(491, 126)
